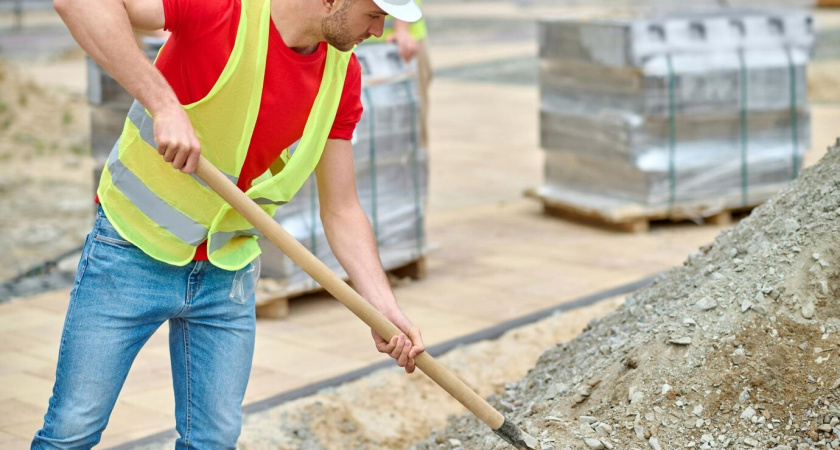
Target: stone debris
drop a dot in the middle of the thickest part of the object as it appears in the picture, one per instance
(706, 304)
(808, 311)
(603, 429)
(682, 340)
(594, 444)
(698, 410)
(654, 443)
(748, 414)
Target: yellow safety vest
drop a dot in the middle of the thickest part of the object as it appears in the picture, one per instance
(167, 213)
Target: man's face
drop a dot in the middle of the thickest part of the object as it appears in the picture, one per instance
(351, 22)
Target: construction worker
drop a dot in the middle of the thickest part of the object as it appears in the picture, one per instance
(411, 42)
(238, 81)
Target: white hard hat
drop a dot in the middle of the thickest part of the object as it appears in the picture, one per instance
(405, 10)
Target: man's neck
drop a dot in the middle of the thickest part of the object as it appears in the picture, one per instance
(298, 24)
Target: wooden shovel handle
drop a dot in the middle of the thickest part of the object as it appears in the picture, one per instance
(341, 290)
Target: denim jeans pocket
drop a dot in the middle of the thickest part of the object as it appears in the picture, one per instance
(106, 233)
(245, 282)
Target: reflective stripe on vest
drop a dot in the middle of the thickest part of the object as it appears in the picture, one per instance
(221, 238)
(158, 210)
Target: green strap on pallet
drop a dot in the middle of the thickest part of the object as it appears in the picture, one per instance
(373, 190)
(415, 172)
(672, 134)
(744, 131)
(794, 114)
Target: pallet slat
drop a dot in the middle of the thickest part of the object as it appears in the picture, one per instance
(635, 218)
(273, 299)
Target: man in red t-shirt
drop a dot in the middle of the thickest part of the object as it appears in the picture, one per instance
(122, 295)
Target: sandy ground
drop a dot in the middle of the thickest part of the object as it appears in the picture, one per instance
(824, 81)
(352, 415)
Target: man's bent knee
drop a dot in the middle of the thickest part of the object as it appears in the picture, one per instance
(69, 431)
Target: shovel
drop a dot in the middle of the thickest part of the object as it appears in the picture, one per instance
(358, 305)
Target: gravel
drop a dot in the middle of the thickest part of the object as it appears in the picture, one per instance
(738, 348)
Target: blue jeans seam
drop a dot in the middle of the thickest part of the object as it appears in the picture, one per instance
(187, 379)
(63, 343)
(68, 323)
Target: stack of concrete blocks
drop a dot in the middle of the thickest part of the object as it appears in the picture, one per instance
(391, 178)
(700, 111)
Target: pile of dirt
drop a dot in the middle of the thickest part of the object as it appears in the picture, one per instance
(45, 172)
(739, 348)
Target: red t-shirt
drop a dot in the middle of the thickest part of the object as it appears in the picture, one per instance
(203, 35)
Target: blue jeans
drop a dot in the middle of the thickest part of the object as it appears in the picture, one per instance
(119, 298)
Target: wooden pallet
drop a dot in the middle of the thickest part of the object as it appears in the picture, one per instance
(273, 302)
(635, 218)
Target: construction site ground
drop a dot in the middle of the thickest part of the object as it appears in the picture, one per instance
(496, 256)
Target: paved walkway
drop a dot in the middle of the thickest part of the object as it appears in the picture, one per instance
(497, 258)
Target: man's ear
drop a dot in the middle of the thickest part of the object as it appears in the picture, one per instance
(327, 4)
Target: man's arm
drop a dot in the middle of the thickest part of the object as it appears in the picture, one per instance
(352, 241)
(103, 28)
(406, 43)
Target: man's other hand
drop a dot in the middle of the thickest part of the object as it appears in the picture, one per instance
(403, 347)
(406, 44)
